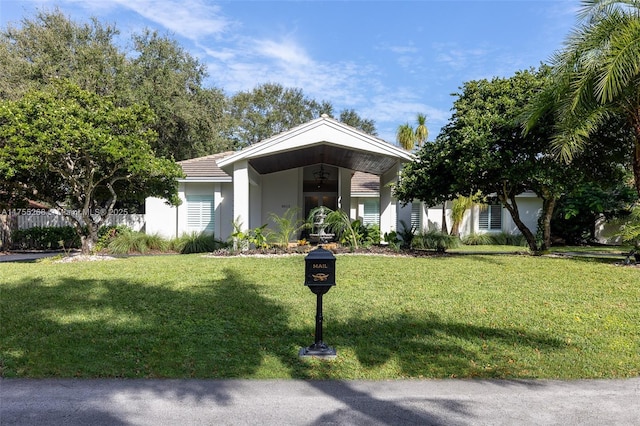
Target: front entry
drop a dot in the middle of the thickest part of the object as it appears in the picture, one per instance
(320, 188)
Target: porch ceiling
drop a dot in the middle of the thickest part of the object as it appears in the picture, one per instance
(326, 154)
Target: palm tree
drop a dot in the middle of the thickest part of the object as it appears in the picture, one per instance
(408, 138)
(459, 207)
(405, 136)
(596, 77)
(421, 133)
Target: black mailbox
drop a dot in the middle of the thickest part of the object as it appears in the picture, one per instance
(319, 276)
(320, 269)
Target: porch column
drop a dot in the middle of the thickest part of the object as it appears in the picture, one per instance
(344, 190)
(388, 205)
(241, 193)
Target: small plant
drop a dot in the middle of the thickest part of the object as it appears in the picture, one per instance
(196, 242)
(475, 239)
(287, 227)
(630, 229)
(258, 237)
(129, 241)
(242, 240)
(239, 238)
(106, 234)
(407, 233)
(434, 240)
(392, 240)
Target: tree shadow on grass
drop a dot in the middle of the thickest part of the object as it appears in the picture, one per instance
(93, 328)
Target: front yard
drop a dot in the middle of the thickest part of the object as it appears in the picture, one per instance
(463, 316)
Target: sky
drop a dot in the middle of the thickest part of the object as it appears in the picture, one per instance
(387, 60)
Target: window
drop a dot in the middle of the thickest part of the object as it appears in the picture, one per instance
(200, 214)
(416, 210)
(490, 218)
(371, 213)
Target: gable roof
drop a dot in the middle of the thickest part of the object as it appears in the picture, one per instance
(320, 141)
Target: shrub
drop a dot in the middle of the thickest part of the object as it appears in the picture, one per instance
(474, 239)
(128, 242)
(372, 235)
(406, 234)
(630, 229)
(106, 234)
(507, 239)
(46, 238)
(287, 227)
(434, 240)
(197, 243)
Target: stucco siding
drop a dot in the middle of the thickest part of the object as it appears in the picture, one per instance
(280, 192)
(160, 217)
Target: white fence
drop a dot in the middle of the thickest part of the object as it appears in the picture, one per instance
(26, 221)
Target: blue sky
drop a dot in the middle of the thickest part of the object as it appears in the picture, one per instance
(388, 60)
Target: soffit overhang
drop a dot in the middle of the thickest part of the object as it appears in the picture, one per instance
(321, 141)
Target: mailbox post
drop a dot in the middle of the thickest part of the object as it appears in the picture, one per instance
(320, 276)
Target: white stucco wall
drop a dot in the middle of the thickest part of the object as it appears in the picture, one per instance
(280, 192)
(160, 217)
(529, 208)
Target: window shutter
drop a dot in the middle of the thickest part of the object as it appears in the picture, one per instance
(416, 209)
(490, 218)
(200, 214)
(371, 213)
(496, 218)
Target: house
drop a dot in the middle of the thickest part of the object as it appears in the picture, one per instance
(320, 163)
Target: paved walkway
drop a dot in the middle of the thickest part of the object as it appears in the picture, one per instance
(295, 402)
(26, 256)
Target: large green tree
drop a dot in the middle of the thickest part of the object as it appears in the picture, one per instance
(50, 46)
(78, 152)
(483, 150)
(152, 70)
(271, 108)
(191, 119)
(353, 119)
(596, 77)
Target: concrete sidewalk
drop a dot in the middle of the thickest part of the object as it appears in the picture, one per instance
(295, 402)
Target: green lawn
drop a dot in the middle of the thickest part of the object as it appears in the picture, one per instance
(434, 317)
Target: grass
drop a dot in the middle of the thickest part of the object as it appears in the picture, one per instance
(474, 316)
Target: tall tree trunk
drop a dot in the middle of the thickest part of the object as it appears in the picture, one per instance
(444, 218)
(510, 204)
(548, 204)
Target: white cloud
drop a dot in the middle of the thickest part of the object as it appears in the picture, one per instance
(191, 19)
(286, 52)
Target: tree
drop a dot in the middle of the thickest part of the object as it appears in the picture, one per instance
(156, 71)
(421, 132)
(459, 207)
(270, 109)
(482, 149)
(191, 120)
(351, 117)
(78, 152)
(596, 77)
(408, 138)
(50, 46)
(405, 136)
